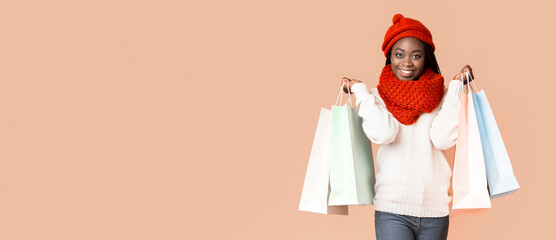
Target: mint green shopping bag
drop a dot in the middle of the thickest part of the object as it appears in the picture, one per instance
(352, 175)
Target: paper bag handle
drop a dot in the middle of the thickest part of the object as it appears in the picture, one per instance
(340, 95)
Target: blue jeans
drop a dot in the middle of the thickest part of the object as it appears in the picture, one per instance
(402, 227)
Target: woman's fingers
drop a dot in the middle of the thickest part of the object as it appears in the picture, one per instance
(467, 69)
(470, 71)
(347, 83)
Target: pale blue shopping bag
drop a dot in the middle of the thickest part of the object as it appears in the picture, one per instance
(500, 174)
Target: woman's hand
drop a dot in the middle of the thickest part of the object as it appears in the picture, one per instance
(348, 83)
(468, 69)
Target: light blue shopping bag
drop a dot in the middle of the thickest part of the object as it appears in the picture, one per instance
(500, 175)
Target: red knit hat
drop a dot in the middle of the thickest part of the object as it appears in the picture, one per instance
(405, 27)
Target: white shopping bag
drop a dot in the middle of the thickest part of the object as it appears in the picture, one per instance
(316, 188)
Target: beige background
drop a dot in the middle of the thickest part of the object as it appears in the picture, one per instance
(189, 120)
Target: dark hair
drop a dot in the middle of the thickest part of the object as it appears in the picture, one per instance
(430, 58)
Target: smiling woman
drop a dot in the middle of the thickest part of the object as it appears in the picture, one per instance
(414, 117)
(407, 58)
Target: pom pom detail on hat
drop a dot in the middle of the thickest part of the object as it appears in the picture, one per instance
(405, 27)
(397, 18)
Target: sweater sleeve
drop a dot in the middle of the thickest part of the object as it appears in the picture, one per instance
(444, 128)
(379, 124)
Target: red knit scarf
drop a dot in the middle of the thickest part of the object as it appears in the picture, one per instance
(406, 100)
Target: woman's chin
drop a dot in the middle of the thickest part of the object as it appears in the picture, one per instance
(410, 78)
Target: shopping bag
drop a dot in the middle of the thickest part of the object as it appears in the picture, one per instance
(469, 181)
(499, 171)
(316, 188)
(352, 176)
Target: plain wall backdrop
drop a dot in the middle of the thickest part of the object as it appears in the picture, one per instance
(195, 119)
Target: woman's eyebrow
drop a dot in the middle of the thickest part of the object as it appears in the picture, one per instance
(401, 49)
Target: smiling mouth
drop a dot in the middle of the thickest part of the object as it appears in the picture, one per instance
(406, 73)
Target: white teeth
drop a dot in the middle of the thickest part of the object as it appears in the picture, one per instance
(406, 72)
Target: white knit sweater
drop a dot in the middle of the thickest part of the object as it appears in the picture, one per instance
(413, 176)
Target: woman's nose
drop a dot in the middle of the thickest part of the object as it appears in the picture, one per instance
(407, 62)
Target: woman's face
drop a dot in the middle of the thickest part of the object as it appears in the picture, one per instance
(408, 58)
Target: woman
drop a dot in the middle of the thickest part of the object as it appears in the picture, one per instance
(414, 118)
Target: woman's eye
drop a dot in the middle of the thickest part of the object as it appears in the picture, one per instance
(416, 56)
(399, 55)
